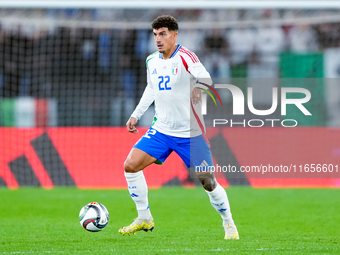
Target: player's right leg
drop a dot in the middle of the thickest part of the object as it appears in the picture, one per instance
(151, 148)
(136, 161)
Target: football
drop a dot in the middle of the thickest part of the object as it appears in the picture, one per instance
(94, 217)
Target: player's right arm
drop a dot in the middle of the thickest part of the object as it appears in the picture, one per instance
(131, 125)
(147, 99)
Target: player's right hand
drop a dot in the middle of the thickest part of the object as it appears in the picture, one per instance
(131, 125)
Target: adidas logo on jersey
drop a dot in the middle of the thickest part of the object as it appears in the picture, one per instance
(154, 71)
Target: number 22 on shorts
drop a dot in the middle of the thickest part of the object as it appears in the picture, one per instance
(150, 132)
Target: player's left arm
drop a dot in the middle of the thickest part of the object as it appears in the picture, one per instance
(201, 75)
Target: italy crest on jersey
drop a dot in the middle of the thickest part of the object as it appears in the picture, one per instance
(174, 68)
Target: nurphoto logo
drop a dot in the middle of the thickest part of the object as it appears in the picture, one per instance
(238, 99)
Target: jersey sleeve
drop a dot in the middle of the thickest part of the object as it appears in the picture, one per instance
(147, 99)
(195, 67)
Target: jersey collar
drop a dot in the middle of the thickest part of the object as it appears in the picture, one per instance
(173, 54)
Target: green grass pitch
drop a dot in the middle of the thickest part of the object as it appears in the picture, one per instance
(279, 221)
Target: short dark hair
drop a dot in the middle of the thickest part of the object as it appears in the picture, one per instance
(165, 21)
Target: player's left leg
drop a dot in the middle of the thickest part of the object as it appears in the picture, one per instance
(219, 200)
(200, 156)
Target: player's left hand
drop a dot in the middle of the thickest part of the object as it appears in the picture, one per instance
(196, 96)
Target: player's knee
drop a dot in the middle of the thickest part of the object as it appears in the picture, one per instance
(209, 185)
(130, 166)
(208, 181)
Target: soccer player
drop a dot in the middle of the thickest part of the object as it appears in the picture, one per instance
(170, 72)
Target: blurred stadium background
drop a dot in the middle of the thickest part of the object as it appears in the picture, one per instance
(71, 73)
